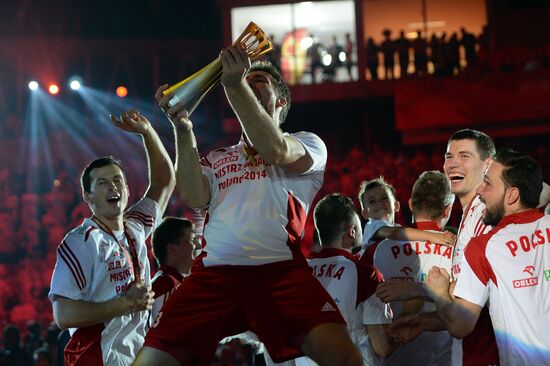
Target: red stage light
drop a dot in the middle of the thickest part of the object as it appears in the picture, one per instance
(121, 91)
(53, 89)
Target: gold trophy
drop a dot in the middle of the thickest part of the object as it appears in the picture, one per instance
(192, 90)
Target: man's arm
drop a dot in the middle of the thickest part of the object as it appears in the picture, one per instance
(159, 165)
(459, 316)
(70, 313)
(192, 185)
(380, 341)
(261, 128)
(407, 233)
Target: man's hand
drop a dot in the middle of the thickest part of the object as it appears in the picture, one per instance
(394, 290)
(446, 238)
(236, 64)
(406, 328)
(177, 115)
(438, 282)
(132, 121)
(139, 297)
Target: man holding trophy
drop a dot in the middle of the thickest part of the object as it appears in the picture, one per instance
(251, 274)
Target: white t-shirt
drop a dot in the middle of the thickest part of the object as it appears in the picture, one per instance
(371, 227)
(92, 267)
(411, 262)
(510, 268)
(257, 210)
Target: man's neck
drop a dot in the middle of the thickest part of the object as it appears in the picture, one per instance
(116, 224)
(422, 218)
(466, 199)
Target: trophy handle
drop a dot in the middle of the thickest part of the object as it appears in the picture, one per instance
(194, 88)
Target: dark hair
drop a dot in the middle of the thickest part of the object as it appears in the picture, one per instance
(86, 180)
(373, 183)
(331, 215)
(281, 88)
(524, 173)
(431, 193)
(484, 144)
(169, 230)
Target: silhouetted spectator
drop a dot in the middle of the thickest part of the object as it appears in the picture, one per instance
(33, 339)
(13, 353)
(348, 49)
(314, 54)
(403, 45)
(469, 42)
(420, 47)
(334, 51)
(453, 54)
(372, 58)
(388, 49)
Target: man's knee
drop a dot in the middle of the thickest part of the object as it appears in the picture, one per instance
(330, 344)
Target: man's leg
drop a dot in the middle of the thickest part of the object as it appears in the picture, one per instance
(329, 344)
(151, 356)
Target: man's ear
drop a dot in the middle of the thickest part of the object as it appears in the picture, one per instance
(280, 102)
(511, 196)
(410, 202)
(396, 205)
(487, 163)
(86, 197)
(447, 211)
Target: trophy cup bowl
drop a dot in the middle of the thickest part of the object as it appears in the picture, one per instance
(193, 89)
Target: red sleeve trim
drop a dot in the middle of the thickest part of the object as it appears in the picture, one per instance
(70, 259)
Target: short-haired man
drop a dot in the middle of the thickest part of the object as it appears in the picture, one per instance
(507, 267)
(174, 248)
(101, 284)
(351, 284)
(468, 156)
(251, 274)
(409, 261)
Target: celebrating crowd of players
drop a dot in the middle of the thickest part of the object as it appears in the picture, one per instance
(488, 287)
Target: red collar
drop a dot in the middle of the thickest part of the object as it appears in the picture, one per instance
(332, 252)
(523, 217)
(426, 225)
(171, 271)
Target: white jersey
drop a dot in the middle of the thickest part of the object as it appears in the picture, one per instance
(352, 286)
(471, 225)
(257, 211)
(480, 345)
(510, 268)
(411, 261)
(92, 266)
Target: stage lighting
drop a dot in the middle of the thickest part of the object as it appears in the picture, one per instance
(33, 85)
(121, 91)
(75, 84)
(53, 89)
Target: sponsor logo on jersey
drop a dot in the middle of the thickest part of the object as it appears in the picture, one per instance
(406, 270)
(546, 274)
(328, 307)
(529, 270)
(403, 279)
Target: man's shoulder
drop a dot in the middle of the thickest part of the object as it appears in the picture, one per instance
(82, 233)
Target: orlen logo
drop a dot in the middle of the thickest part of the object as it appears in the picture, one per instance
(529, 270)
(406, 270)
(527, 282)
